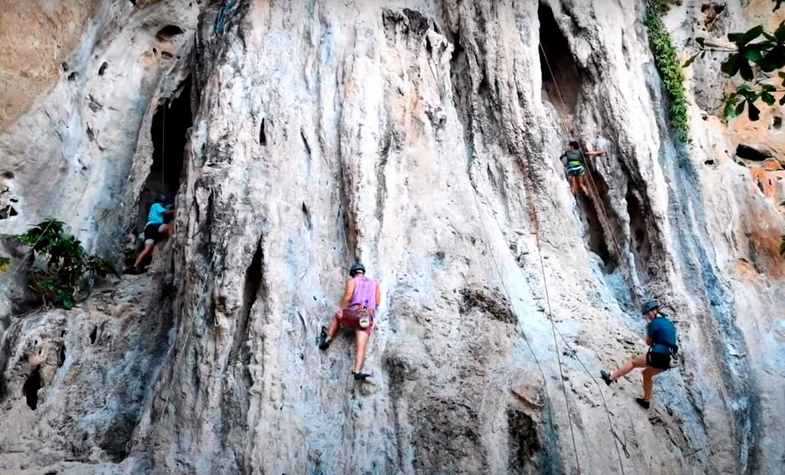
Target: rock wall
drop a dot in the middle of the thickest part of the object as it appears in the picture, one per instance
(421, 137)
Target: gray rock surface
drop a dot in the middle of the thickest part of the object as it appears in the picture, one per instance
(421, 137)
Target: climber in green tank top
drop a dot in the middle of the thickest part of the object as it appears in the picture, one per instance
(575, 165)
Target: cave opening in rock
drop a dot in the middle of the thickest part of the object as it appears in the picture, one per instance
(596, 234)
(168, 32)
(30, 389)
(754, 153)
(639, 235)
(561, 78)
(168, 131)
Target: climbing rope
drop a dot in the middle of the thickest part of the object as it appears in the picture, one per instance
(163, 150)
(592, 184)
(542, 268)
(526, 340)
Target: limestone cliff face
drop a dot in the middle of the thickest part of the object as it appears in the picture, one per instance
(421, 137)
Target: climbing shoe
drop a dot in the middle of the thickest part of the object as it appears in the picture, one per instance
(324, 342)
(642, 402)
(360, 376)
(606, 377)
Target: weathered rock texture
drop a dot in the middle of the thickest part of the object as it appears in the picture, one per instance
(421, 137)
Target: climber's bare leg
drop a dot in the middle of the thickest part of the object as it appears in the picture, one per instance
(639, 362)
(362, 345)
(332, 330)
(648, 384)
(582, 184)
(149, 245)
(166, 230)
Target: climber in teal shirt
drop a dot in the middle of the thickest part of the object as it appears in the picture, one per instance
(156, 214)
(157, 229)
(661, 338)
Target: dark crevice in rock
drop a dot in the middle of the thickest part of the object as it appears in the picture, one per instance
(61, 355)
(750, 152)
(93, 335)
(596, 238)
(262, 134)
(31, 386)
(561, 78)
(523, 442)
(307, 216)
(169, 133)
(236, 399)
(8, 174)
(252, 288)
(102, 69)
(639, 232)
(305, 143)
(117, 437)
(8, 212)
(168, 32)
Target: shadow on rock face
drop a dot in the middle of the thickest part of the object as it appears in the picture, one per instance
(495, 307)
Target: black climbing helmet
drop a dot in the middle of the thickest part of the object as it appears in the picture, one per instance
(574, 144)
(356, 267)
(648, 306)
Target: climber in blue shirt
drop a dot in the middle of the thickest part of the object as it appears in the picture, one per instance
(661, 338)
(157, 229)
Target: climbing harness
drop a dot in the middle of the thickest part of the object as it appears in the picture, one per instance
(545, 284)
(223, 16)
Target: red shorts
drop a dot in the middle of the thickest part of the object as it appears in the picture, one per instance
(351, 320)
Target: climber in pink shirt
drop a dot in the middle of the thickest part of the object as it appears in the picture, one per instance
(356, 311)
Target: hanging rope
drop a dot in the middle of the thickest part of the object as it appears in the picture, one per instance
(163, 149)
(593, 187)
(604, 401)
(528, 344)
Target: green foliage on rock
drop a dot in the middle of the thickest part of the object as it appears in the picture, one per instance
(759, 49)
(67, 271)
(756, 56)
(667, 61)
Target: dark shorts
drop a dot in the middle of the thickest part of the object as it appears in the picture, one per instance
(151, 232)
(658, 360)
(350, 321)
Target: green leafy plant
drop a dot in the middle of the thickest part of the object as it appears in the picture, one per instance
(667, 61)
(5, 264)
(755, 49)
(68, 269)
